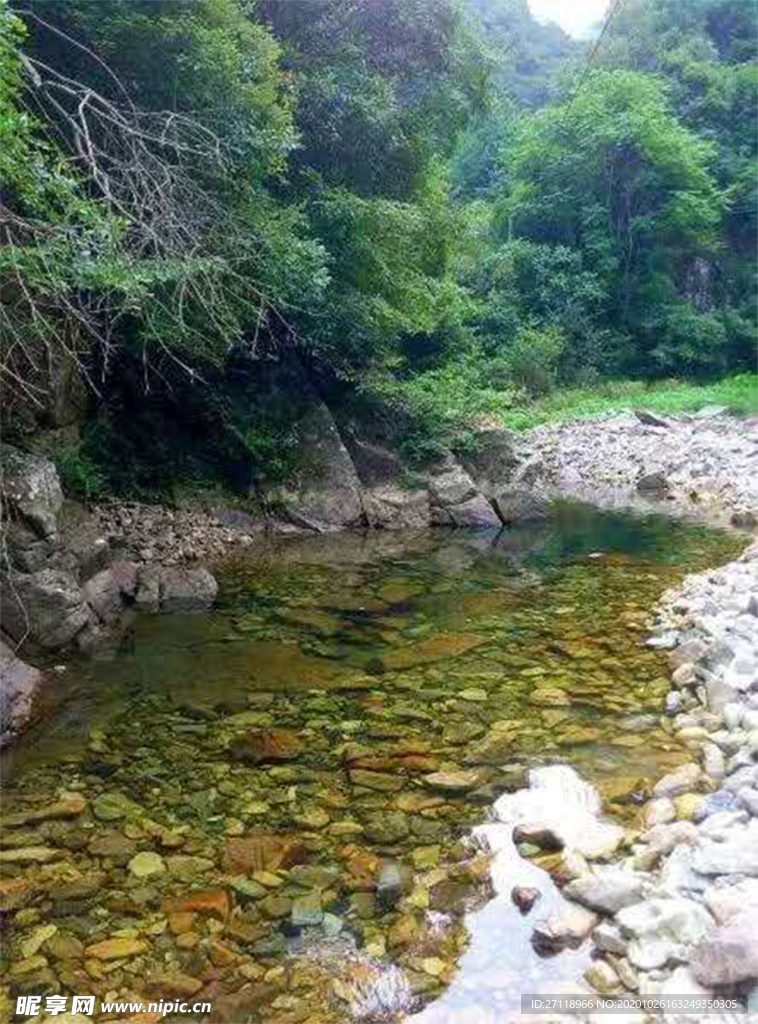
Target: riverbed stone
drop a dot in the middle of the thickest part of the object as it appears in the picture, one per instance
(567, 927)
(659, 812)
(737, 853)
(681, 780)
(729, 956)
(270, 746)
(455, 781)
(380, 781)
(145, 864)
(116, 948)
(262, 853)
(608, 938)
(606, 890)
(660, 929)
(113, 806)
(307, 911)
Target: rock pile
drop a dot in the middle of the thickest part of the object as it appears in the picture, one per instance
(63, 584)
(679, 912)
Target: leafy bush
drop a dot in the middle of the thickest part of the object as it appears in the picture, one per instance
(533, 358)
(438, 409)
(81, 476)
(688, 342)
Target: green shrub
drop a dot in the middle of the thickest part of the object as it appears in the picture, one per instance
(80, 474)
(532, 360)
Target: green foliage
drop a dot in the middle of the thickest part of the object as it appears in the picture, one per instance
(739, 394)
(441, 207)
(438, 409)
(81, 476)
(392, 277)
(532, 359)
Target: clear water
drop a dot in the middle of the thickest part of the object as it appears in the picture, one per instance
(393, 655)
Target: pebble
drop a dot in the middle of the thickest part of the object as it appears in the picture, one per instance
(145, 864)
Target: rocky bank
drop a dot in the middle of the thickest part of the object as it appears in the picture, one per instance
(703, 464)
(677, 915)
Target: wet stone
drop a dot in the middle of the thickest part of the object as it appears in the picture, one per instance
(525, 897)
(266, 747)
(145, 864)
(307, 911)
(113, 806)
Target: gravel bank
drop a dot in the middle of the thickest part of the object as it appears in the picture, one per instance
(704, 464)
(679, 913)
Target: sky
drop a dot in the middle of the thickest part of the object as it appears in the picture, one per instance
(574, 16)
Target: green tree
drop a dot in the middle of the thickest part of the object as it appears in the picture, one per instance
(614, 174)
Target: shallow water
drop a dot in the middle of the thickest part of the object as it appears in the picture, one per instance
(335, 676)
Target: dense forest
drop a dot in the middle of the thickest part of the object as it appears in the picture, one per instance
(435, 210)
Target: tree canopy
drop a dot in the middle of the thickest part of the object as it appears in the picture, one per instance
(423, 199)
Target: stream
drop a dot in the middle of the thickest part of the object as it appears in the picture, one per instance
(288, 805)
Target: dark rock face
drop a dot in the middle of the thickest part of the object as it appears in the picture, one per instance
(324, 492)
(493, 462)
(32, 491)
(32, 498)
(390, 500)
(18, 683)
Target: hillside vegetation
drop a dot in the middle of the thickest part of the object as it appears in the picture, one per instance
(441, 209)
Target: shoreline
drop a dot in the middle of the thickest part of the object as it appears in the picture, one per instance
(677, 913)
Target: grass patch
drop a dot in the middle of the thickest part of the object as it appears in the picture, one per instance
(738, 394)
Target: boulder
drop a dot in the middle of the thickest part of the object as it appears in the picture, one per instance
(455, 499)
(519, 506)
(492, 462)
(185, 590)
(733, 853)
(649, 419)
(31, 490)
(682, 780)
(147, 597)
(606, 891)
(108, 590)
(662, 929)
(18, 683)
(391, 507)
(567, 927)
(323, 493)
(46, 608)
(653, 484)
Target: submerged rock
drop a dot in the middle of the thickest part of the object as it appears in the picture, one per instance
(266, 746)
